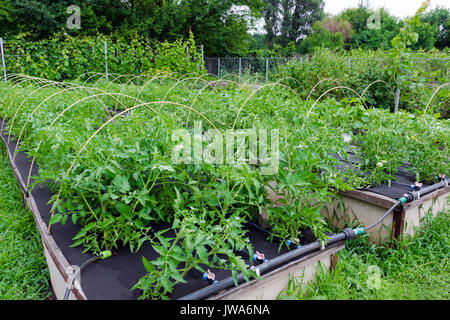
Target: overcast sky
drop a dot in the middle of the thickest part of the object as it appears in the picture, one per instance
(398, 8)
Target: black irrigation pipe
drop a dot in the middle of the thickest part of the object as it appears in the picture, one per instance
(346, 234)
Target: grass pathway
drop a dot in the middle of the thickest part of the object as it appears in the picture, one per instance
(419, 269)
(23, 270)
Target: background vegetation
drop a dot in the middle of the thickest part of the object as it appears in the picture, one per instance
(290, 26)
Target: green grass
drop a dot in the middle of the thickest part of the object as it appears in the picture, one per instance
(417, 268)
(23, 271)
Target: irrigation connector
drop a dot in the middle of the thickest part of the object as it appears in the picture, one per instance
(75, 272)
(209, 277)
(294, 243)
(259, 257)
(416, 186)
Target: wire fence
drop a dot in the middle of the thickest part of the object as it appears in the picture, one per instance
(103, 59)
(262, 68)
(245, 68)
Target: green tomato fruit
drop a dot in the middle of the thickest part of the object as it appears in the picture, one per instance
(379, 164)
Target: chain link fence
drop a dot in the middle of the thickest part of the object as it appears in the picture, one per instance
(259, 69)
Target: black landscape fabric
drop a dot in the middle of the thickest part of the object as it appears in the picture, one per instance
(397, 188)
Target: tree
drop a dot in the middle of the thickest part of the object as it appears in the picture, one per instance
(329, 33)
(439, 19)
(371, 38)
(270, 12)
(220, 25)
(376, 38)
(290, 20)
(6, 16)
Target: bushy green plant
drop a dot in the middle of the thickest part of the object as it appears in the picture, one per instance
(63, 57)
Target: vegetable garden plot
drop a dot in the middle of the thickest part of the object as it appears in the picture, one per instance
(113, 278)
(112, 173)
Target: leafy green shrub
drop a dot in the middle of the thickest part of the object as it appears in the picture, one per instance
(64, 57)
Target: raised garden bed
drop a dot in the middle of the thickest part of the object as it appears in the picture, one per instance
(367, 205)
(111, 178)
(113, 278)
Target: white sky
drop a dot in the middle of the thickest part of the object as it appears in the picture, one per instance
(398, 8)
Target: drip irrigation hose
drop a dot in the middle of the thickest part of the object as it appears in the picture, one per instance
(346, 234)
(102, 255)
(228, 282)
(384, 216)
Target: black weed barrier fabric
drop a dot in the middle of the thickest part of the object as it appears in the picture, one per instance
(113, 278)
(397, 188)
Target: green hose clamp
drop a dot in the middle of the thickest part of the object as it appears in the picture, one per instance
(402, 200)
(106, 254)
(360, 231)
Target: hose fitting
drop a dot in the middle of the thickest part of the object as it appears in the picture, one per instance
(105, 254)
(416, 186)
(209, 277)
(259, 257)
(293, 243)
(349, 233)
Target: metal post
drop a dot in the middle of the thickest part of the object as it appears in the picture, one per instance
(106, 60)
(203, 56)
(349, 63)
(3, 59)
(240, 66)
(218, 67)
(267, 69)
(397, 99)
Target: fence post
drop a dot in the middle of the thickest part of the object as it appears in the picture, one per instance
(106, 61)
(267, 69)
(218, 67)
(240, 66)
(397, 91)
(397, 99)
(348, 63)
(203, 57)
(3, 59)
